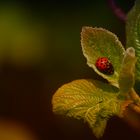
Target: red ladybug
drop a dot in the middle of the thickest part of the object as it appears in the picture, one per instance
(104, 66)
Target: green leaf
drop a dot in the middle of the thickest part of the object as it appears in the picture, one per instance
(127, 73)
(91, 100)
(98, 42)
(133, 33)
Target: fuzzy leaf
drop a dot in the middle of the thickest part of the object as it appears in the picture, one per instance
(133, 34)
(127, 74)
(98, 42)
(93, 101)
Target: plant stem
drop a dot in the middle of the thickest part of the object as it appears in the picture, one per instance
(135, 97)
(132, 116)
(135, 108)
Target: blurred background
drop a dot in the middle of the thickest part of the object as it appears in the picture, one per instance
(39, 51)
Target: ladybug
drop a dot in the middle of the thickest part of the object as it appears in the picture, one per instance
(104, 65)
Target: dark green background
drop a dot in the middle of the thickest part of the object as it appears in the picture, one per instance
(26, 90)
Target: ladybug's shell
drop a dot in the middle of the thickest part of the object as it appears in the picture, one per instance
(104, 66)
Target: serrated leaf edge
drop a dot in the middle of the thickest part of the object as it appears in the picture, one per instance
(111, 81)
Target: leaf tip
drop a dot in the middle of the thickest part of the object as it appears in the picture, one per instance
(131, 51)
(85, 28)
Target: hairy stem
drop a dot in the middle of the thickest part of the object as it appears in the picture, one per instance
(132, 116)
(135, 108)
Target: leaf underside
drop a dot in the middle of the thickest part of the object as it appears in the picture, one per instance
(98, 42)
(93, 101)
